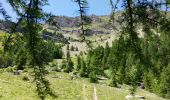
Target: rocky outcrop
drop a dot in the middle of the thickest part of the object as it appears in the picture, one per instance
(55, 37)
(63, 21)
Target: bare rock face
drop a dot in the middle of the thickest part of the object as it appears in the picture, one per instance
(63, 21)
(95, 19)
(55, 37)
(88, 32)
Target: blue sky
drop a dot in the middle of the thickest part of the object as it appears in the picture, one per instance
(68, 8)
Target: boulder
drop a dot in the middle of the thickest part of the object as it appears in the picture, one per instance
(17, 72)
(136, 97)
(129, 97)
(142, 86)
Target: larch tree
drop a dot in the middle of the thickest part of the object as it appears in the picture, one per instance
(30, 12)
(84, 19)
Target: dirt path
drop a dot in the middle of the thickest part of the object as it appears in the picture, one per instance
(95, 94)
(84, 92)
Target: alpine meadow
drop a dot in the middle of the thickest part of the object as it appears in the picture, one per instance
(85, 50)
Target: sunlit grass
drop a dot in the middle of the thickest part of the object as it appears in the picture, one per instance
(14, 88)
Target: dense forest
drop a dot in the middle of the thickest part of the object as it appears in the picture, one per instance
(137, 59)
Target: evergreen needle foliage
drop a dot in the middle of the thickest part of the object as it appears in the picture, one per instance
(132, 59)
(31, 14)
(84, 20)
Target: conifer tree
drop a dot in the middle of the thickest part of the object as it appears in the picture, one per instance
(83, 71)
(106, 54)
(69, 66)
(165, 82)
(68, 55)
(31, 13)
(78, 63)
(84, 20)
(72, 48)
(67, 48)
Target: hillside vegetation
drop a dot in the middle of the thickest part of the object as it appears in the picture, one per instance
(16, 88)
(125, 55)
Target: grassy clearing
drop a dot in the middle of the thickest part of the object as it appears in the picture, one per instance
(14, 88)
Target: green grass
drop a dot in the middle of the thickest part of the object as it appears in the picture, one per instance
(14, 88)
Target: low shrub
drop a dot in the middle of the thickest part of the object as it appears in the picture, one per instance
(9, 69)
(1, 70)
(25, 78)
(93, 78)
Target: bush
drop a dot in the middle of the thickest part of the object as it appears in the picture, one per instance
(132, 90)
(63, 66)
(164, 84)
(93, 78)
(25, 78)
(1, 70)
(77, 49)
(82, 72)
(9, 69)
(57, 52)
(5, 60)
(72, 48)
(148, 81)
(54, 64)
(108, 73)
(25, 70)
(112, 83)
(21, 59)
(69, 66)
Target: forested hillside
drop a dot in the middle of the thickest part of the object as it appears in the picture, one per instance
(124, 55)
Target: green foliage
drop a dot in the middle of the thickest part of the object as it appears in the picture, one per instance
(165, 82)
(25, 78)
(78, 63)
(93, 78)
(106, 54)
(39, 53)
(57, 52)
(21, 58)
(148, 80)
(72, 48)
(113, 81)
(133, 75)
(77, 49)
(94, 60)
(9, 69)
(83, 69)
(63, 66)
(68, 55)
(131, 59)
(1, 70)
(6, 60)
(67, 48)
(84, 20)
(108, 73)
(69, 66)
(132, 90)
